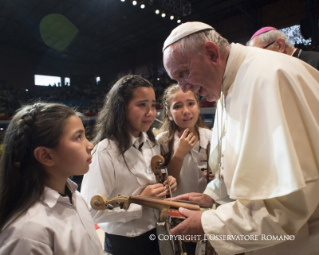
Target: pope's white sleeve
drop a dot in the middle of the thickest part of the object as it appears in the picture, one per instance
(276, 217)
(216, 189)
(101, 180)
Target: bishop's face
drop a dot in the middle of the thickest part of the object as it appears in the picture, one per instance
(194, 72)
(258, 43)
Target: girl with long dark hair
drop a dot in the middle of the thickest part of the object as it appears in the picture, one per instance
(41, 211)
(124, 147)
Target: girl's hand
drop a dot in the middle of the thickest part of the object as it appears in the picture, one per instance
(186, 143)
(173, 184)
(211, 176)
(154, 190)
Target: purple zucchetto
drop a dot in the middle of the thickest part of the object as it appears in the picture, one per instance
(262, 30)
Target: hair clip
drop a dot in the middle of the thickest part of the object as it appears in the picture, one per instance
(34, 107)
(16, 164)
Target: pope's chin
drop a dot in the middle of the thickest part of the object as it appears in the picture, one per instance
(211, 97)
(204, 93)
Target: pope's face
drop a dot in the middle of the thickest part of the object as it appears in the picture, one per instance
(194, 72)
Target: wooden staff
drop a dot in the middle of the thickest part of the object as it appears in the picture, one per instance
(100, 202)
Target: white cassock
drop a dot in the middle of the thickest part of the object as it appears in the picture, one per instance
(270, 156)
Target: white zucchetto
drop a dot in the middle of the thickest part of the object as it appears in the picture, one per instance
(184, 30)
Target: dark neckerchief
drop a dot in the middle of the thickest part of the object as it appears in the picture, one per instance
(67, 193)
(139, 147)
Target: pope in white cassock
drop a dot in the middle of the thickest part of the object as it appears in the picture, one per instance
(264, 148)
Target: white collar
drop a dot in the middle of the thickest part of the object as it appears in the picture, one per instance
(231, 56)
(136, 141)
(50, 196)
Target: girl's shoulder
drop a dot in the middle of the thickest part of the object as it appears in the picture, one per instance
(162, 137)
(205, 131)
(205, 135)
(105, 144)
(30, 225)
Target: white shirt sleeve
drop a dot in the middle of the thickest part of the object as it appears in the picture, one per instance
(101, 180)
(216, 189)
(277, 216)
(25, 246)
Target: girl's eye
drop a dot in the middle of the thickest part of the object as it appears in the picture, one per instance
(177, 106)
(191, 103)
(153, 105)
(79, 137)
(142, 104)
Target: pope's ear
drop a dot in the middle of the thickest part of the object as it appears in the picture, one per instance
(281, 45)
(43, 156)
(211, 49)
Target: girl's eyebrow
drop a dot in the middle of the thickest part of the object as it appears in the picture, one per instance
(181, 101)
(146, 100)
(177, 102)
(80, 131)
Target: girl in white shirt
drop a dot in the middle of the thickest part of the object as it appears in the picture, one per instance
(124, 146)
(184, 139)
(41, 211)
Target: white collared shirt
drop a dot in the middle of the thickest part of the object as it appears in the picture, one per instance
(191, 178)
(53, 226)
(110, 175)
(137, 141)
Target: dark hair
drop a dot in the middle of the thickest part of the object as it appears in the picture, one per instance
(22, 177)
(112, 121)
(170, 125)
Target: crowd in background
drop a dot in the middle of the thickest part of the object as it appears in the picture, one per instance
(87, 97)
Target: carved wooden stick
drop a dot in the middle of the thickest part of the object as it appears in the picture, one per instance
(100, 202)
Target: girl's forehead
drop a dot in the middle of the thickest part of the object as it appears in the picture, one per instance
(141, 92)
(179, 95)
(71, 123)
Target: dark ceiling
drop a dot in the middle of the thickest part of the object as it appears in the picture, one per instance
(95, 30)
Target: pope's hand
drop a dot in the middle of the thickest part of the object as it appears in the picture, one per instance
(190, 226)
(200, 198)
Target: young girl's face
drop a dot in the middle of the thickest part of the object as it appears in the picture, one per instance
(72, 156)
(184, 110)
(141, 110)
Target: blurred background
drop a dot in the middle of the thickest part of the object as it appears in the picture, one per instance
(72, 51)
